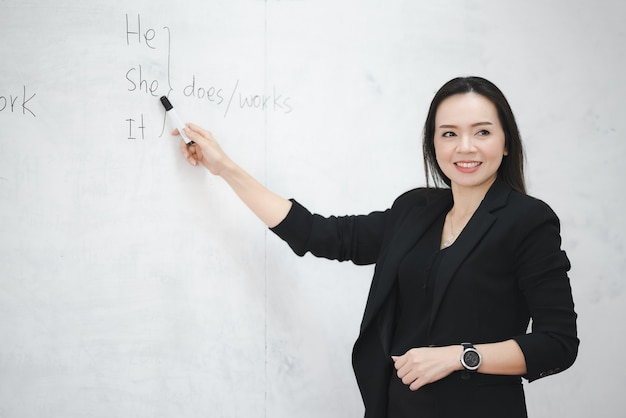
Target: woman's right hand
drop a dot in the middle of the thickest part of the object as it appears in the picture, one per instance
(205, 150)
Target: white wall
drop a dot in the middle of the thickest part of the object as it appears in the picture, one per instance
(134, 285)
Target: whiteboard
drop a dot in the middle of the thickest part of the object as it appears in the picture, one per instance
(132, 284)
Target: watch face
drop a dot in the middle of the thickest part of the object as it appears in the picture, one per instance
(471, 358)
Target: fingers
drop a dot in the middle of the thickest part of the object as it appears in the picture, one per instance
(198, 129)
(417, 383)
(204, 150)
(412, 370)
(189, 153)
(403, 369)
(398, 361)
(196, 134)
(412, 378)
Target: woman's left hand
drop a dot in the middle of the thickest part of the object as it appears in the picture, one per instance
(421, 366)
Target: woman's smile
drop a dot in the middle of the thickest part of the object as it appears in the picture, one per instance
(467, 166)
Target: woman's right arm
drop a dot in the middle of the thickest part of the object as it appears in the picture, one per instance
(354, 238)
(266, 205)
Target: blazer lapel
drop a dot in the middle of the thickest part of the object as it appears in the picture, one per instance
(476, 228)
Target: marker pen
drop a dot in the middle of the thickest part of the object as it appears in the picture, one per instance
(169, 109)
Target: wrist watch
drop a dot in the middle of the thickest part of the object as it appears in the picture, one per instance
(470, 358)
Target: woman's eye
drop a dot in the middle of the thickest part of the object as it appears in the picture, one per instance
(483, 132)
(448, 134)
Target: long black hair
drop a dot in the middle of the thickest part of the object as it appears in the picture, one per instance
(511, 171)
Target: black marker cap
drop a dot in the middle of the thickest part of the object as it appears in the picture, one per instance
(166, 103)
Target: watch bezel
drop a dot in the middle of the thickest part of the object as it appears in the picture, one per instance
(469, 348)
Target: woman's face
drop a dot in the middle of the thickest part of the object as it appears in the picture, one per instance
(469, 140)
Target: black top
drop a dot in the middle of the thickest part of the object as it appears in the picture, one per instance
(416, 276)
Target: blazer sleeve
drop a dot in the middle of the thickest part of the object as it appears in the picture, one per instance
(356, 238)
(542, 268)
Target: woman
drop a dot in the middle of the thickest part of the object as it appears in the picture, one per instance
(461, 268)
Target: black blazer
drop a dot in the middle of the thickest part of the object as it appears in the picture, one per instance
(505, 268)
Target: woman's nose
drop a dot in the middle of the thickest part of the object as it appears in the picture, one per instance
(466, 143)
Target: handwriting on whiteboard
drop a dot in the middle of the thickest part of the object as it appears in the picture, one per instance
(155, 79)
(17, 102)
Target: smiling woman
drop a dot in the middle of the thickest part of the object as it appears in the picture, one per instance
(469, 141)
(468, 100)
(461, 270)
